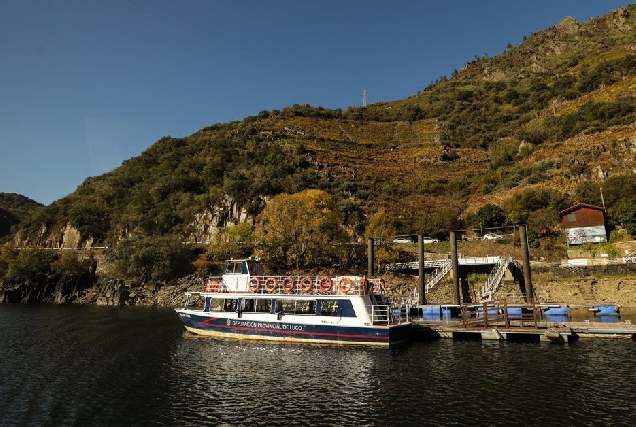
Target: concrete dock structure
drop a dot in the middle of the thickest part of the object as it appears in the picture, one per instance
(514, 323)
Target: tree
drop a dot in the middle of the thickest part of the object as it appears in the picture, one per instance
(90, 217)
(300, 229)
(588, 192)
(7, 255)
(69, 264)
(151, 257)
(491, 216)
(31, 262)
(519, 207)
(625, 213)
(203, 265)
(380, 225)
(233, 241)
(619, 187)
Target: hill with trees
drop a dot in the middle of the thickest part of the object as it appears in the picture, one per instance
(13, 209)
(509, 139)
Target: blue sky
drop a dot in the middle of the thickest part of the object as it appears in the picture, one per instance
(87, 84)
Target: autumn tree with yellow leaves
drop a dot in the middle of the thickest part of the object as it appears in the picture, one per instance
(300, 229)
(382, 229)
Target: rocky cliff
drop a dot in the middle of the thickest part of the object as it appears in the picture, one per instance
(552, 284)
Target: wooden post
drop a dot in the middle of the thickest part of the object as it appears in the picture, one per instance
(370, 258)
(455, 266)
(527, 278)
(422, 281)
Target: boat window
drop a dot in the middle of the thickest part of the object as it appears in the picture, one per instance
(340, 308)
(196, 302)
(257, 305)
(216, 304)
(233, 268)
(230, 305)
(345, 309)
(329, 307)
(296, 306)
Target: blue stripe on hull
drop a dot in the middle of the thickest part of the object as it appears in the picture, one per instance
(244, 328)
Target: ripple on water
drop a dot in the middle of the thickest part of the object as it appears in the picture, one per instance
(69, 365)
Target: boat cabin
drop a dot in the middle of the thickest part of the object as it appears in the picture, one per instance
(237, 273)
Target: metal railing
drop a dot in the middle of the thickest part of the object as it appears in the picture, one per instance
(339, 285)
(438, 274)
(589, 262)
(390, 315)
(494, 279)
(414, 265)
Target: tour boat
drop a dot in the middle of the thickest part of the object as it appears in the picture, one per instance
(244, 304)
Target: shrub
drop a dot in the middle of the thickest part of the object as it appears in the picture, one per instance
(30, 263)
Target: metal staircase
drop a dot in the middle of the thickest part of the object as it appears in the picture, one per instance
(494, 279)
(443, 267)
(442, 270)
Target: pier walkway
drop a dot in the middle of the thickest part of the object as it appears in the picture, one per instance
(515, 323)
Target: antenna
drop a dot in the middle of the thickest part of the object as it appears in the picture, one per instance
(364, 98)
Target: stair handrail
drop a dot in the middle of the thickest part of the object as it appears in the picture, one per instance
(437, 274)
(494, 279)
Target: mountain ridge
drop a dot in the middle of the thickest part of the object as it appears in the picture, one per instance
(553, 116)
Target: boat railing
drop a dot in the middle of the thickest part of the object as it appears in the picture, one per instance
(305, 285)
(386, 314)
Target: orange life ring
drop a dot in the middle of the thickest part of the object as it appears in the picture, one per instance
(325, 284)
(208, 287)
(214, 286)
(254, 284)
(288, 284)
(306, 284)
(344, 285)
(270, 285)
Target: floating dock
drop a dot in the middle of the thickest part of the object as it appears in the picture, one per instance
(514, 323)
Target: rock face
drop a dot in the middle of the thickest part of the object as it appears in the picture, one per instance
(205, 226)
(109, 292)
(67, 237)
(609, 284)
(119, 293)
(45, 289)
(208, 223)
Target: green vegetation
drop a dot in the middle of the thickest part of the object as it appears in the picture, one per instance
(13, 209)
(29, 264)
(509, 139)
(156, 258)
(302, 229)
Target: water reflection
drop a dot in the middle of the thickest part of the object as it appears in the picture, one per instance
(263, 383)
(70, 365)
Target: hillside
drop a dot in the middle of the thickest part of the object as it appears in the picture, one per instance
(13, 209)
(542, 126)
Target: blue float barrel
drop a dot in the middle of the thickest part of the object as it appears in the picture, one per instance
(431, 312)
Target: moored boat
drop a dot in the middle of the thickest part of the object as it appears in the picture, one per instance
(244, 304)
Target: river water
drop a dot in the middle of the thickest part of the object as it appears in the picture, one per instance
(102, 366)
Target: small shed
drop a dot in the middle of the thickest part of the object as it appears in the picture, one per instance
(584, 223)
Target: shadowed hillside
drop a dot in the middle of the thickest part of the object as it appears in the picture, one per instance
(13, 209)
